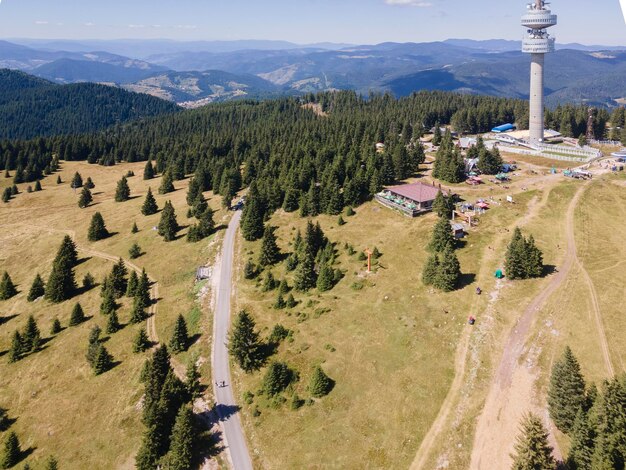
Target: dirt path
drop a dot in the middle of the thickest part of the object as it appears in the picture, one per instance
(154, 289)
(604, 345)
(461, 357)
(511, 391)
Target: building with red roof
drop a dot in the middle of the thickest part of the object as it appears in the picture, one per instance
(410, 199)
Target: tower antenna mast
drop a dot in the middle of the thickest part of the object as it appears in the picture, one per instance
(537, 42)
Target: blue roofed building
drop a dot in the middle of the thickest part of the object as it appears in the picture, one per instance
(503, 128)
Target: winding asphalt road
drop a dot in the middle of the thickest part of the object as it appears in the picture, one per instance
(226, 407)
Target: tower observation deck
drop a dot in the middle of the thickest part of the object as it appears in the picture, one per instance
(537, 42)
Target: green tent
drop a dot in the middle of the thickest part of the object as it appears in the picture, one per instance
(499, 274)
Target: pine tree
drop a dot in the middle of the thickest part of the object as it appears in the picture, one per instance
(610, 448)
(6, 195)
(183, 441)
(148, 171)
(489, 162)
(85, 198)
(290, 302)
(12, 451)
(320, 384)
(97, 228)
(14, 190)
(103, 362)
(245, 345)
(77, 316)
(305, 277)
(117, 278)
(122, 192)
(566, 395)
(150, 205)
(192, 380)
(442, 237)
(534, 259)
(37, 186)
(252, 227)
(89, 184)
(280, 302)
(277, 378)
(113, 323)
(583, 436)
(108, 305)
(68, 251)
(52, 464)
(77, 181)
(133, 282)
(141, 342)
(61, 283)
(88, 281)
(443, 205)
(180, 337)
(326, 278)
(16, 350)
(31, 337)
(134, 251)
(270, 253)
(143, 290)
(168, 225)
(59, 180)
(449, 271)
(532, 451)
(37, 289)
(167, 183)
(7, 288)
(515, 256)
(134, 229)
(137, 314)
(523, 259)
(269, 282)
(56, 327)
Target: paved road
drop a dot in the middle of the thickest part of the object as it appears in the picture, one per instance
(234, 438)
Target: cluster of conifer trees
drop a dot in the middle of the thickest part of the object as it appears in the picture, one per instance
(171, 433)
(523, 259)
(288, 150)
(442, 269)
(251, 353)
(594, 420)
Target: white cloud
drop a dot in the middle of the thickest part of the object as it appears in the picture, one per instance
(185, 26)
(408, 3)
(136, 26)
(90, 24)
(40, 22)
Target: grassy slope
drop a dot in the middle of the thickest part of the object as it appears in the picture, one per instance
(394, 341)
(88, 421)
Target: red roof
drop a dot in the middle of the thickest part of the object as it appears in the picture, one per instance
(418, 192)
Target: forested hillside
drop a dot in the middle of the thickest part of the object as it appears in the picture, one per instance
(32, 107)
(299, 159)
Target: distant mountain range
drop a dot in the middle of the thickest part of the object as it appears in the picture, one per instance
(196, 73)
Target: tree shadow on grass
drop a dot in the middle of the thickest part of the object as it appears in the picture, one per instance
(7, 319)
(26, 453)
(548, 270)
(220, 227)
(466, 280)
(194, 339)
(82, 260)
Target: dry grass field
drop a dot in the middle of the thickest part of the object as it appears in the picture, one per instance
(62, 409)
(390, 346)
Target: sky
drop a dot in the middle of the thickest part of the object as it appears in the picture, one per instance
(305, 21)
